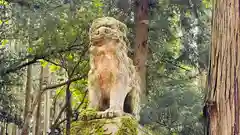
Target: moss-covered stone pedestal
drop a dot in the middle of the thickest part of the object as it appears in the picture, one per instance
(124, 125)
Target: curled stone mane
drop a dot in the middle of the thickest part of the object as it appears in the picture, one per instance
(114, 29)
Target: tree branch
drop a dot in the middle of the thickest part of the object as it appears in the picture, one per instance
(56, 123)
(80, 59)
(59, 115)
(85, 94)
(54, 63)
(63, 83)
(23, 3)
(35, 59)
(175, 64)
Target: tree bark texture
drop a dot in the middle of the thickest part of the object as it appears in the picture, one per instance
(28, 90)
(224, 73)
(68, 108)
(14, 129)
(27, 95)
(39, 107)
(47, 106)
(141, 46)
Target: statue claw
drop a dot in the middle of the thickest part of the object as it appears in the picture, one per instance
(112, 112)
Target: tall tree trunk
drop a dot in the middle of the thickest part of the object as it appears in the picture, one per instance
(28, 90)
(14, 130)
(223, 97)
(1, 129)
(47, 106)
(69, 108)
(38, 117)
(42, 126)
(38, 111)
(28, 94)
(141, 46)
(24, 130)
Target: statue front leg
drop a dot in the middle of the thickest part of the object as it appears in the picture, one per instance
(117, 98)
(94, 97)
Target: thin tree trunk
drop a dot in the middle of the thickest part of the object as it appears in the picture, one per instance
(47, 105)
(38, 117)
(38, 111)
(29, 115)
(28, 90)
(223, 97)
(141, 46)
(1, 129)
(28, 93)
(6, 129)
(14, 130)
(68, 109)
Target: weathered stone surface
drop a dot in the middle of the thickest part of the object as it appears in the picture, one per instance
(113, 83)
(125, 125)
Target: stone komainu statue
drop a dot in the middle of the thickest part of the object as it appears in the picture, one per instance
(113, 83)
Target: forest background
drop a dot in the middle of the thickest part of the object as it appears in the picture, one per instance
(44, 61)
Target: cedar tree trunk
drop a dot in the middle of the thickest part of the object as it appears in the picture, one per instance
(224, 73)
(141, 46)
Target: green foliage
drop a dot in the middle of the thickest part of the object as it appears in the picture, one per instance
(3, 42)
(179, 53)
(79, 93)
(3, 2)
(124, 125)
(54, 68)
(173, 105)
(9, 103)
(88, 114)
(43, 63)
(128, 127)
(88, 127)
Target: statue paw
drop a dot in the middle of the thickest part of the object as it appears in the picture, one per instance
(112, 112)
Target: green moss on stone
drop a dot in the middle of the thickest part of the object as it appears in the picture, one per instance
(128, 126)
(88, 114)
(94, 127)
(124, 125)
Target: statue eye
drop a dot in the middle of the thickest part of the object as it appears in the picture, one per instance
(106, 31)
(108, 26)
(97, 32)
(121, 28)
